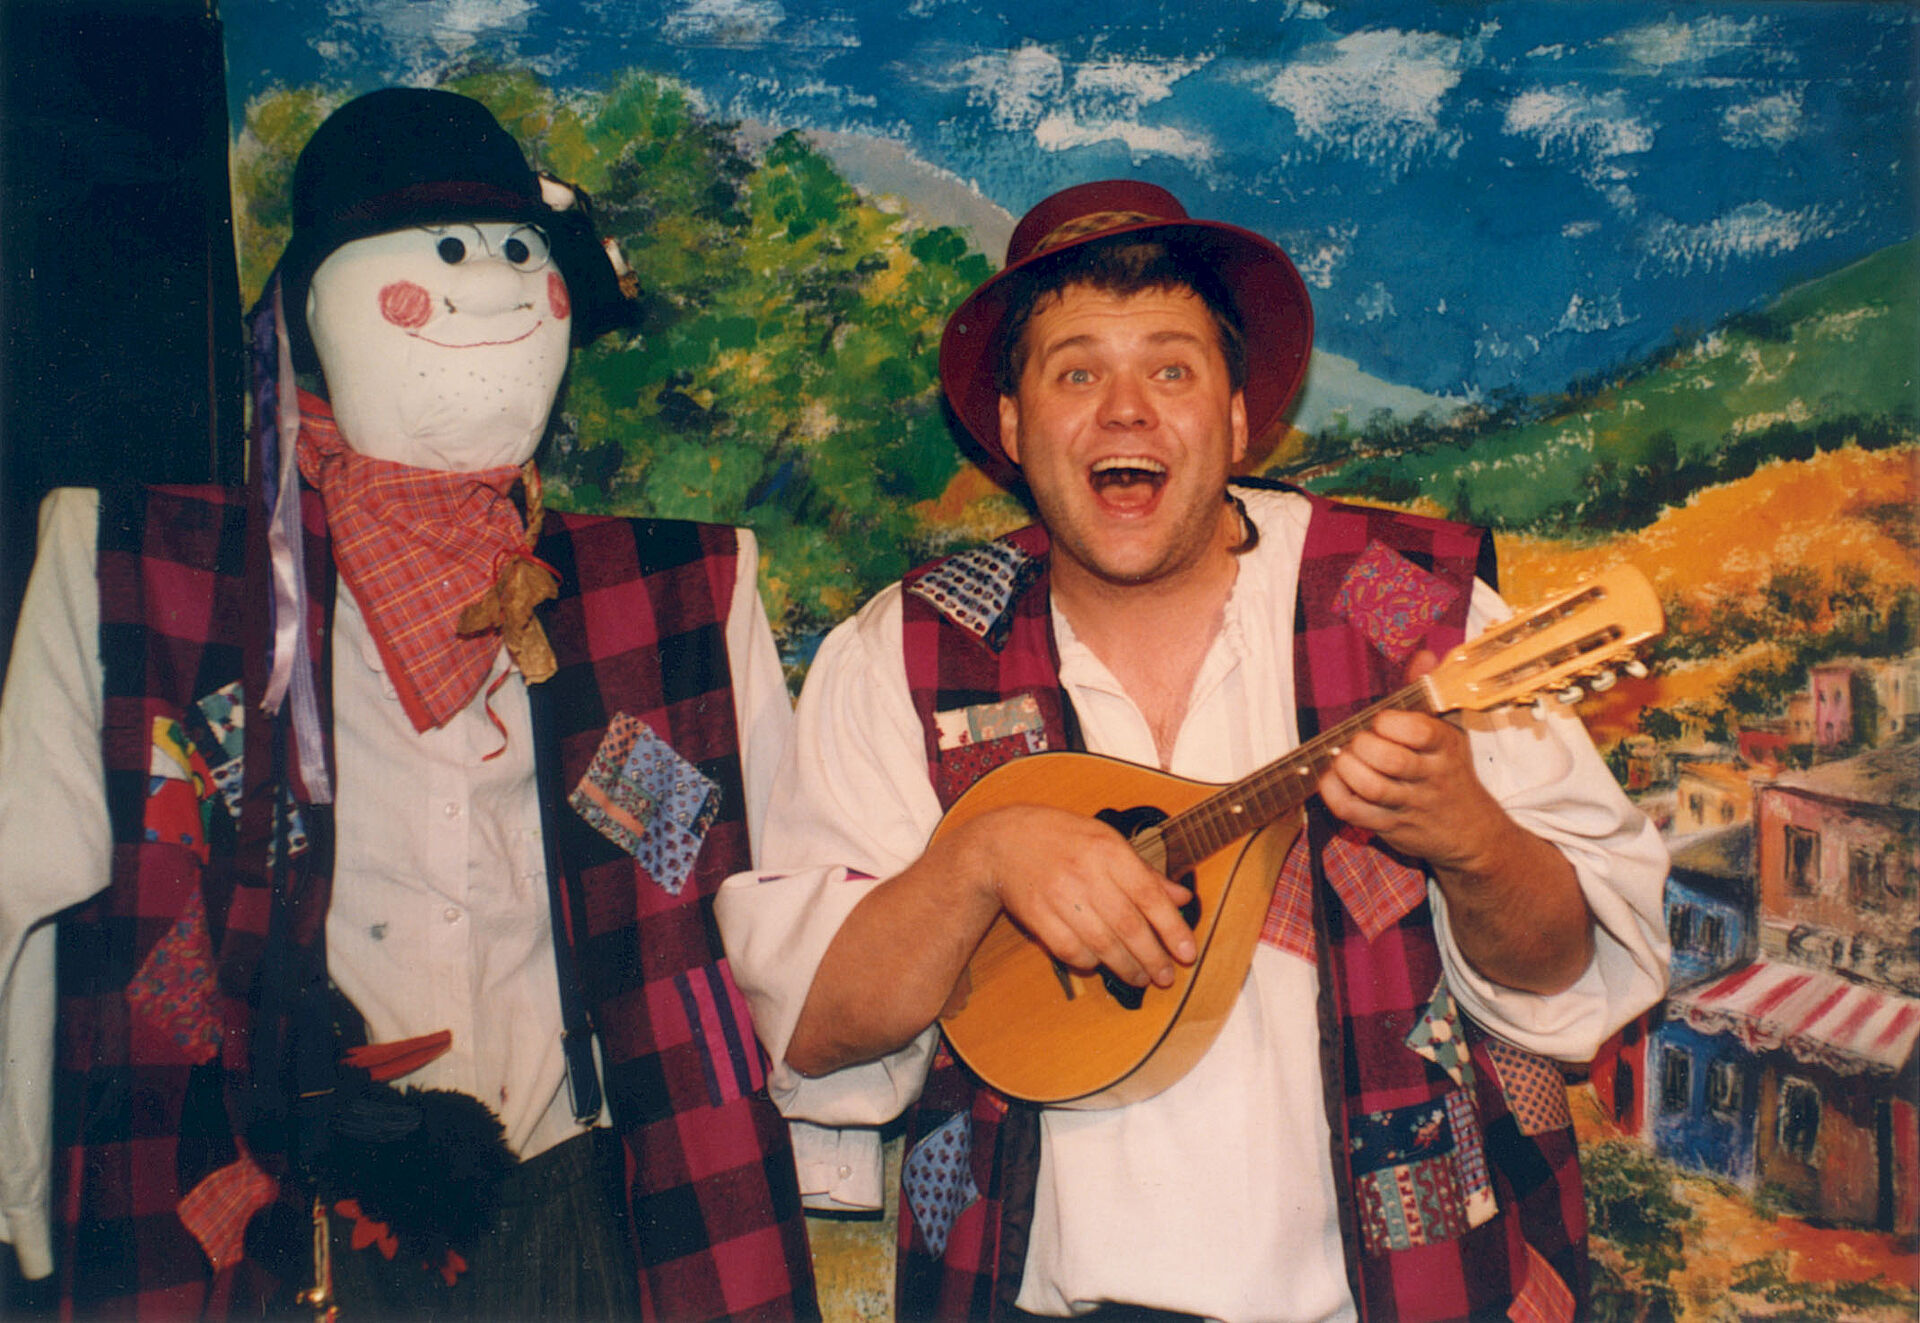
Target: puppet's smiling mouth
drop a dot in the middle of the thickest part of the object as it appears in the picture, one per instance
(1127, 481)
(538, 322)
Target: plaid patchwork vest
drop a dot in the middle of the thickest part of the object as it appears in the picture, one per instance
(1457, 1175)
(192, 1031)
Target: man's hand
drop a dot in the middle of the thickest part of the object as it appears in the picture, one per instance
(1079, 890)
(1073, 883)
(1518, 914)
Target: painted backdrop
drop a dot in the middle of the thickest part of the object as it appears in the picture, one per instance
(1624, 281)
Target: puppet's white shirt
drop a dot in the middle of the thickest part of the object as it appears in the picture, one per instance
(1215, 1197)
(439, 917)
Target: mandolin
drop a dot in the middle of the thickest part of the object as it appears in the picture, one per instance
(1035, 1029)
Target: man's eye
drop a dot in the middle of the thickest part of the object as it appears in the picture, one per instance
(451, 250)
(1079, 376)
(1174, 372)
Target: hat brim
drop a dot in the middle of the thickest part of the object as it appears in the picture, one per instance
(1271, 299)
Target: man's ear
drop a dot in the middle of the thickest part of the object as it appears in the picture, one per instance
(1237, 423)
(1010, 427)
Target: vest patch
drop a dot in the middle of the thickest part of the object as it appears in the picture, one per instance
(1391, 600)
(976, 588)
(938, 1178)
(643, 796)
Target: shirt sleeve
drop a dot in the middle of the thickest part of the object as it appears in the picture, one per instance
(851, 807)
(762, 708)
(54, 837)
(1546, 774)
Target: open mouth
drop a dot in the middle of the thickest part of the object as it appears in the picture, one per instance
(1127, 482)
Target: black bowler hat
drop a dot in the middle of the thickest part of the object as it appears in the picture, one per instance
(407, 156)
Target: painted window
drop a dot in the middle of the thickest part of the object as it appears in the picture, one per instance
(1725, 1087)
(1803, 860)
(1867, 877)
(1713, 935)
(1797, 1126)
(1680, 927)
(1676, 1079)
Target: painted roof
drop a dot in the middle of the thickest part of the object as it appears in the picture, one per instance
(1821, 1018)
(1888, 776)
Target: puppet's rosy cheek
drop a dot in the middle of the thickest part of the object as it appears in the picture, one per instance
(557, 296)
(406, 304)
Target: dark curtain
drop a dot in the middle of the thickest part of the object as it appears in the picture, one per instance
(121, 349)
(122, 352)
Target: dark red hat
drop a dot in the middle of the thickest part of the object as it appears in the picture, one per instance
(1267, 292)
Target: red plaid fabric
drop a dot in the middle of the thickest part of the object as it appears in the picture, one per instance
(218, 1209)
(1374, 941)
(417, 546)
(639, 628)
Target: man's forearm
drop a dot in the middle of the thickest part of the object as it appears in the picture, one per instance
(1518, 915)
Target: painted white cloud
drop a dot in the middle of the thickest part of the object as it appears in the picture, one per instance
(1573, 121)
(424, 35)
(1754, 229)
(1595, 314)
(1766, 121)
(1031, 89)
(1377, 95)
(1318, 258)
(723, 22)
(1688, 43)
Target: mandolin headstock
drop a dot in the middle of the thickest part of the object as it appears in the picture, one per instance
(1574, 635)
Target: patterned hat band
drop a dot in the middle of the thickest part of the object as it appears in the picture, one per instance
(1095, 222)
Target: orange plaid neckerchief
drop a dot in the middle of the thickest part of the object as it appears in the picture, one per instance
(438, 562)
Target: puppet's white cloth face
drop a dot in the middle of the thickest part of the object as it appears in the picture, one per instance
(442, 346)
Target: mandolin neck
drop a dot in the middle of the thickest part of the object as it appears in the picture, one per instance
(1274, 791)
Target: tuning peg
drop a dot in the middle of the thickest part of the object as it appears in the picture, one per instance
(1636, 668)
(1602, 681)
(1573, 693)
(1540, 709)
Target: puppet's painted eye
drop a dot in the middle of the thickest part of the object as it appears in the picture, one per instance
(451, 250)
(525, 248)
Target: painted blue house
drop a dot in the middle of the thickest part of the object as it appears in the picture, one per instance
(1712, 906)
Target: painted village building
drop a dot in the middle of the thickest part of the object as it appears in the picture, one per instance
(1711, 795)
(1796, 1070)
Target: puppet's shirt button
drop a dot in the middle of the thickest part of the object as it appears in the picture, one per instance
(452, 810)
(452, 915)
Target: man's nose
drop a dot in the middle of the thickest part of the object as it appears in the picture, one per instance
(1126, 403)
(483, 285)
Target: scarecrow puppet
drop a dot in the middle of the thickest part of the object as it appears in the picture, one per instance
(381, 808)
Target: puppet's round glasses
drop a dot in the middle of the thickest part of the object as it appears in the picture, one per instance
(523, 247)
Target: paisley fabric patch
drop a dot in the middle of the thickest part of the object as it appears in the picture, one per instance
(644, 797)
(217, 727)
(938, 1179)
(1536, 1094)
(961, 766)
(173, 990)
(1440, 1036)
(1391, 600)
(976, 588)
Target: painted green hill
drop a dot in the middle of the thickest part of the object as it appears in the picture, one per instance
(1830, 363)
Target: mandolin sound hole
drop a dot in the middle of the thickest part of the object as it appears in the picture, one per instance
(1130, 823)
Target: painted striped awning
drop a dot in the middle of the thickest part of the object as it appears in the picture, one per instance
(1821, 1018)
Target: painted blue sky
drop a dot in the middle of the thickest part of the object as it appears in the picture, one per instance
(1482, 197)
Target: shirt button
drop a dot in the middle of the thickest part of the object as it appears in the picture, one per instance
(453, 810)
(845, 1172)
(452, 914)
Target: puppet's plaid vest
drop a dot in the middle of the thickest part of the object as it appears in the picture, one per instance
(1457, 1172)
(184, 985)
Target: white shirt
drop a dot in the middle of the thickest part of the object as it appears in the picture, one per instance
(439, 918)
(1216, 1196)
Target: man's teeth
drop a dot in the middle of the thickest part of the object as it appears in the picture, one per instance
(1118, 469)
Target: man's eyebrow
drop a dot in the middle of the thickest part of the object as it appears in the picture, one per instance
(1087, 339)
